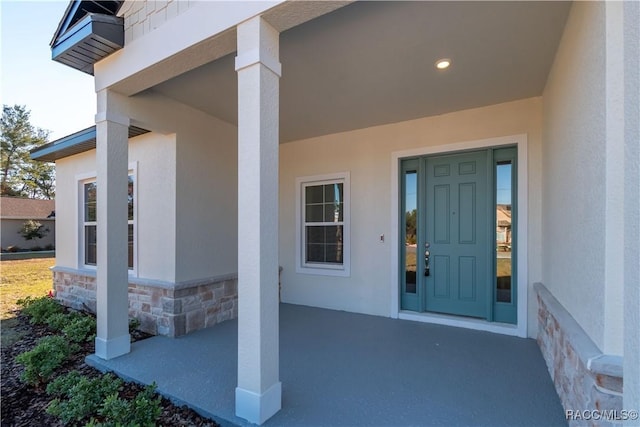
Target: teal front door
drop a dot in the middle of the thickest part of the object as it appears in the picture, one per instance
(457, 280)
(456, 226)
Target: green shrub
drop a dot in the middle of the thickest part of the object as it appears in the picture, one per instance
(79, 397)
(60, 386)
(39, 309)
(59, 321)
(76, 326)
(41, 362)
(81, 329)
(142, 411)
(146, 407)
(133, 324)
(113, 408)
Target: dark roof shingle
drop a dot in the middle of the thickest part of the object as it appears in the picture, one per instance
(21, 208)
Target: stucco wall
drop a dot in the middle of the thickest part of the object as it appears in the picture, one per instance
(155, 157)
(366, 154)
(156, 170)
(11, 236)
(205, 196)
(580, 179)
(187, 192)
(207, 199)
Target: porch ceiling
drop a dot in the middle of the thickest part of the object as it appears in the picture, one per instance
(372, 63)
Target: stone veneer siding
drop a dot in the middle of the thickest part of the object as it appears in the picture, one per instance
(584, 377)
(162, 308)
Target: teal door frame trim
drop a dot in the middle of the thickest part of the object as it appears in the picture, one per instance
(520, 253)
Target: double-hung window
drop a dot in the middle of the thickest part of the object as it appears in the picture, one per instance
(323, 231)
(89, 190)
(90, 223)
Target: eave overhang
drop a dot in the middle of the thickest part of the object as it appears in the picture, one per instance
(75, 143)
(88, 32)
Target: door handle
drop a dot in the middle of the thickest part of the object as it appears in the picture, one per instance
(427, 254)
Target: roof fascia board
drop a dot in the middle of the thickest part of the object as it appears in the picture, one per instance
(75, 143)
(63, 25)
(42, 153)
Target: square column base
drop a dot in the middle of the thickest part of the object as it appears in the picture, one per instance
(110, 349)
(258, 408)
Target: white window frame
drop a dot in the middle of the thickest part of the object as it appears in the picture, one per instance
(302, 266)
(91, 177)
(84, 224)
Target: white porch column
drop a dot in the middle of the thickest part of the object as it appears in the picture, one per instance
(258, 395)
(112, 130)
(631, 359)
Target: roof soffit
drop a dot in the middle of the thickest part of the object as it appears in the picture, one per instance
(88, 32)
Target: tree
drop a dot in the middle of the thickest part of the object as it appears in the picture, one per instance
(22, 176)
(39, 180)
(33, 230)
(411, 226)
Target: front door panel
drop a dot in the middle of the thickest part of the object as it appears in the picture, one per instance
(457, 225)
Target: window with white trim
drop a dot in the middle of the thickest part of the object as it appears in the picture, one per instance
(90, 223)
(89, 190)
(323, 232)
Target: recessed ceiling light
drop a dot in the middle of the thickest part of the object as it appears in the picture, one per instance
(443, 64)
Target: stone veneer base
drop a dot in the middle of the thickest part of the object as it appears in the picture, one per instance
(584, 377)
(162, 308)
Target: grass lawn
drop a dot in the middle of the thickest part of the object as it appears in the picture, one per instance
(20, 279)
(504, 267)
(411, 261)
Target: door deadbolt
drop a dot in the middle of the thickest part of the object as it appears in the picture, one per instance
(427, 255)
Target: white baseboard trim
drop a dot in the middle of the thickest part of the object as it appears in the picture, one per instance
(110, 349)
(258, 408)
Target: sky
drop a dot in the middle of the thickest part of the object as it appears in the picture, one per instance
(60, 98)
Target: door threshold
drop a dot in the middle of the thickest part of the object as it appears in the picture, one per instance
(461, 322)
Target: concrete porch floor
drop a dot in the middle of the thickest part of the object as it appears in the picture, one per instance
(345, 369)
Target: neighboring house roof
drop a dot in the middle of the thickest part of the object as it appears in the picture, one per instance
(88, 32)
(75, 143)
(21, 208)
(503, 214)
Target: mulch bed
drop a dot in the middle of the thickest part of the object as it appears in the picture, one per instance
(25, 405)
